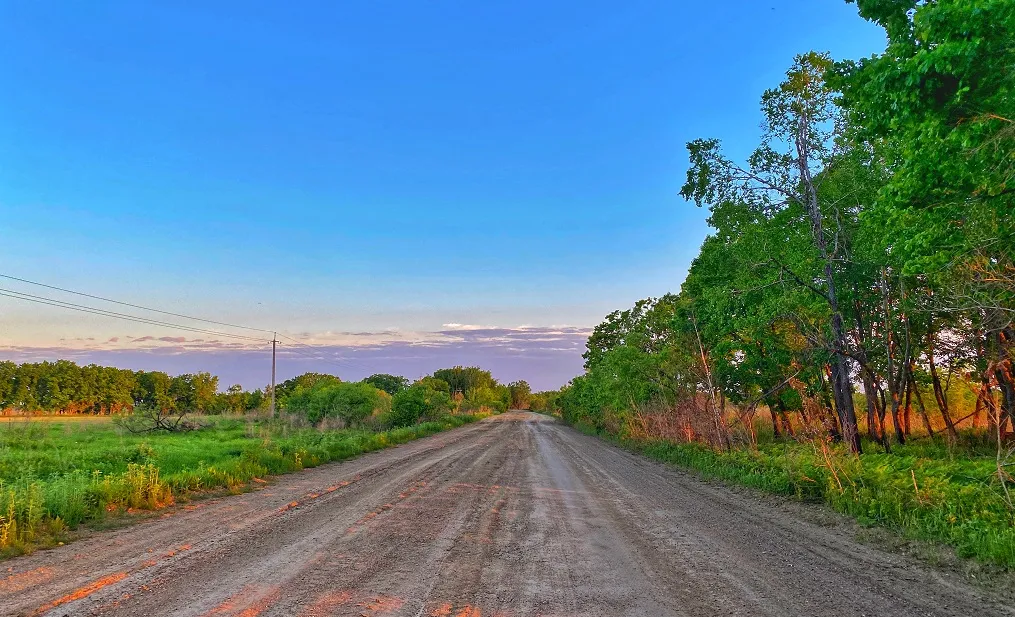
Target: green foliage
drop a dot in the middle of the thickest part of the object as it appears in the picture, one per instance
(546, 402)
(418, 402)
(491, 398)
(434, 384)
(941, 95)
(867, 242)
(65, 387)
(352, 403)
(194, 392)
(470, 388)
(918, 490)
(939, 107)
(305, 381)
(55, 476)
(520, 393)
(392, 384)
(464, 378)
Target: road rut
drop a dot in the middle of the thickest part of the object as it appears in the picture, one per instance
(513, 516)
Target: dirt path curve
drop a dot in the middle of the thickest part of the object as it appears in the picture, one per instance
(510, 517)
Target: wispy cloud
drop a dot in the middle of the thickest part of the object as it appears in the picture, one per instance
(545, 356)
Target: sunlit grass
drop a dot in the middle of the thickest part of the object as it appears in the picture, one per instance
(55, 476)
(924, 490)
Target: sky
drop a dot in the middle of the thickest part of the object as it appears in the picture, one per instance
(401, 185)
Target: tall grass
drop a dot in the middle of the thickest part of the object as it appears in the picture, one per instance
(923, 490)
(56, 476)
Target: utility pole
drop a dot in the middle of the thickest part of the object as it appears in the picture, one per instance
(274, 337)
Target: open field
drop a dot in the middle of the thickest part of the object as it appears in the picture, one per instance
(516, 515)
(60, 472)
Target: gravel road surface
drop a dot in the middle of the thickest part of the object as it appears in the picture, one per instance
(513, 516)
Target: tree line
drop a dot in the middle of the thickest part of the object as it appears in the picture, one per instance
(390, 400)
(860, 278)
(65, 387)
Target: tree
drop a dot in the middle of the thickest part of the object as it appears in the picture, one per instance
(545, 402)
(205, 387)
(486, 398)
(236, 399)
(464, 378)
(8, 373)
(940, 103)
(646, 325)
(433, 383)
(392, 384)
(418, 402)
(152, 390)
(255, 400)
(306, 380)
(352, 403)
(800, 116)
(520, 394)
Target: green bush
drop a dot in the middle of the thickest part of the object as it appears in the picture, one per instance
(496, 398)
(352, 403)
(418, 402)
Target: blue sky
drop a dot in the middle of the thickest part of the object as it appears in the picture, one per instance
(413, 172)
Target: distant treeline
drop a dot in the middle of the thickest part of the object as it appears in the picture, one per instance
(67, 388)
(389, 400)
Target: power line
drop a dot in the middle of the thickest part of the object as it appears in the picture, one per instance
(97, 311)
(138, 306)
(19, 295)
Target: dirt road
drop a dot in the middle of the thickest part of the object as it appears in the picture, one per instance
(512, 516)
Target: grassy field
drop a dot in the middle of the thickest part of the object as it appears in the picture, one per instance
(57, 473)
(924, 490)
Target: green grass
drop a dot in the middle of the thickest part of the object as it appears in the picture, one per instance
(924, 490)
(55, 476)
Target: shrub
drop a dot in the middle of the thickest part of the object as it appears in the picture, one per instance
(352, 403)
(416, 403)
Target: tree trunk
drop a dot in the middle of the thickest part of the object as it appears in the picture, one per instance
(787, 426)
(919, 402)
(871, 391)
(907, 410)
(866, 374)
(832, 424)
(1003, 371)
(775, 422)
(935, 379)
(842, 386)
(895, 379)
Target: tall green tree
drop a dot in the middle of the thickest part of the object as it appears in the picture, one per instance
(940, 104)
(520, 393)
(462, 379)
(782, 175)
(392, 384)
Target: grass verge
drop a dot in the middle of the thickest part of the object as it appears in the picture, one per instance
(55, 476)
(923, 491)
